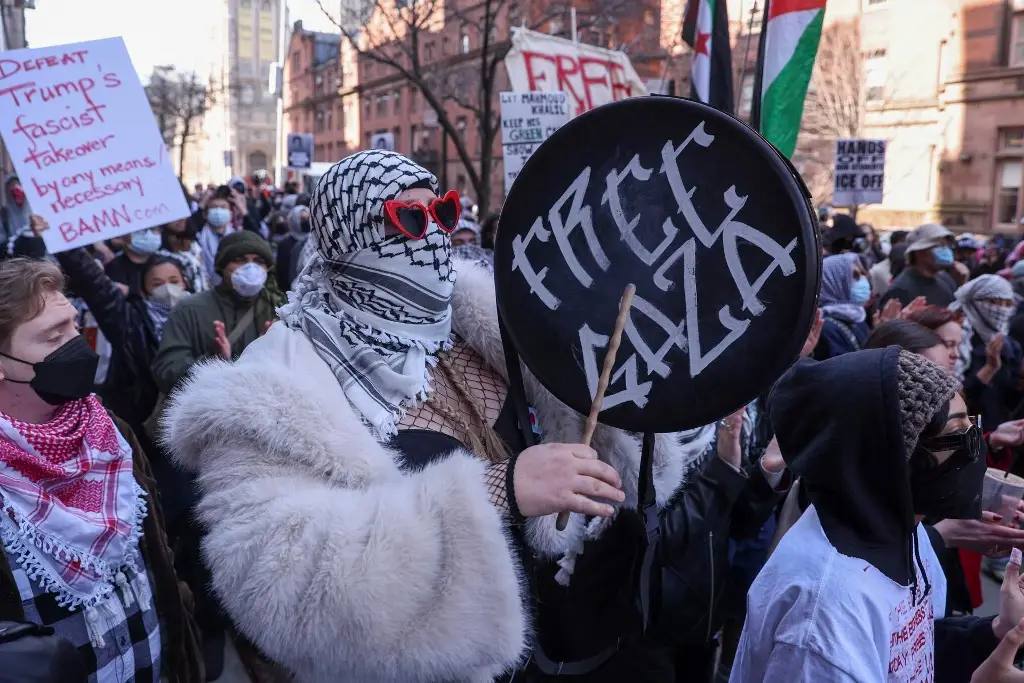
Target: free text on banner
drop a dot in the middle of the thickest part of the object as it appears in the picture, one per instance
(82, 136)
(528, 119)
(589, 75)
(859, 173)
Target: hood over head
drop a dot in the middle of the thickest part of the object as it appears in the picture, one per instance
(295, 222)
(847, 427)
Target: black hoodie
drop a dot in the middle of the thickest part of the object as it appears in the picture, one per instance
(839, 428)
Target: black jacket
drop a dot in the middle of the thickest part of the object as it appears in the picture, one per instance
(689, 577)
(130, 390)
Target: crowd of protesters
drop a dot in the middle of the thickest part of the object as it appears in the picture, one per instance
(285, 422)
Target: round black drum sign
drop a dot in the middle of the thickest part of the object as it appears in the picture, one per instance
(703, 216)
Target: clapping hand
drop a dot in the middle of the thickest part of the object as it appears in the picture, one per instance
(220, 340)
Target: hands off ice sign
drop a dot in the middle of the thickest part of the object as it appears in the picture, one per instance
(706, 219)
(859, 174)
(81, 134)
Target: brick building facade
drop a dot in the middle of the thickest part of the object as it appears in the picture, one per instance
(312, 80)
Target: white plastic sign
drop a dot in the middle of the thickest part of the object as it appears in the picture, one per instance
(859, 172)
(82, 136)
(528, 119)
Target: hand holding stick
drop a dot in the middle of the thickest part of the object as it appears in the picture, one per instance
(602, 385)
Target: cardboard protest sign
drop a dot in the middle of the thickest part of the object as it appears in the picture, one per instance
(589, 75)
(712, 226)
(528, 119)
(859, 176)
(84, 142)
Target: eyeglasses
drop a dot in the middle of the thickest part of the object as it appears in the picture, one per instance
(968, 440)
(412, 218)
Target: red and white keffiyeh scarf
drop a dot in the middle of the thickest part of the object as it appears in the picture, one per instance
(74, 511)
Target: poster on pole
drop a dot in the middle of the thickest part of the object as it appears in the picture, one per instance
(300, 150)
(589, 75)
(527, 120)
(85, 145)
(385, 141)
(859, 174)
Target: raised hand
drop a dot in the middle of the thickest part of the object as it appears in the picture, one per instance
(220, 340)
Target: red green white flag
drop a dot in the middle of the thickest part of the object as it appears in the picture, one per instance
(792, 37)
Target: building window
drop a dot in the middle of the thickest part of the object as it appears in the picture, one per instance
(296, 61)
(460, 124)
(872, 3)
(246, 4)
(319, 122)
(413, 96)
(413, 139)
(1017, 40)
(1012, 140)
(396, 132)
(1008, 209)
(330, 119)
(444, 46)
(382, 103)
(366, 106)
(367, 140)
(428, 51)
(464, 42)
(875, 76)
(397, 97)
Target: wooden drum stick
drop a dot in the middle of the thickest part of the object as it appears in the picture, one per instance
(602, 385)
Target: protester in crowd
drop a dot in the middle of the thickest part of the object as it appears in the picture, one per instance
(289, 249)
(872, 251)
(916, 338)
(84, 548)
(416, 411)
(16, 213)
(128, 267)
(467, 233)
(881, 273)
(218, 323)
(965, 250)
(880, 439)
(222, 321)
(844, 292)
(488, 230)
(990, 263)
(929, 254)
(178, 242)
(133, 325)
(844, 235)
(992, 358)
(991, 536)
(946, 324)
(219, 210)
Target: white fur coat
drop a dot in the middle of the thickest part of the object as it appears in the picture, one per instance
(338, 565)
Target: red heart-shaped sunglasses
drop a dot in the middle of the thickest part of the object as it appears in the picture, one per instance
(412, 218)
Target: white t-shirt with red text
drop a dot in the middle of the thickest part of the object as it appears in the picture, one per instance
(814, 614)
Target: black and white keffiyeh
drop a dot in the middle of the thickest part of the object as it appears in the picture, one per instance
(376, 308)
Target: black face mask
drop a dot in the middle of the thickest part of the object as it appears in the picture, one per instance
(304, 225)
(65, 375)
(952, 489)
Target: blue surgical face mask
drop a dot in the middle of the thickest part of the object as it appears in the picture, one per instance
(218, 217)
(145, 242)
(860, 291)
(943, 256)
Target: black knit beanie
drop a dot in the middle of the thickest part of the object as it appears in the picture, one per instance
(240, 243)
(924, 388)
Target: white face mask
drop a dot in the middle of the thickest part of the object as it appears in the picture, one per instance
(168, 294)
(248, 280)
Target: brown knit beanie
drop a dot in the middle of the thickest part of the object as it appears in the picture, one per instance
(924, 388)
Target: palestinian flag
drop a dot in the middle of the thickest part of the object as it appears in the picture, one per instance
(706, 30)
(791, 44)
